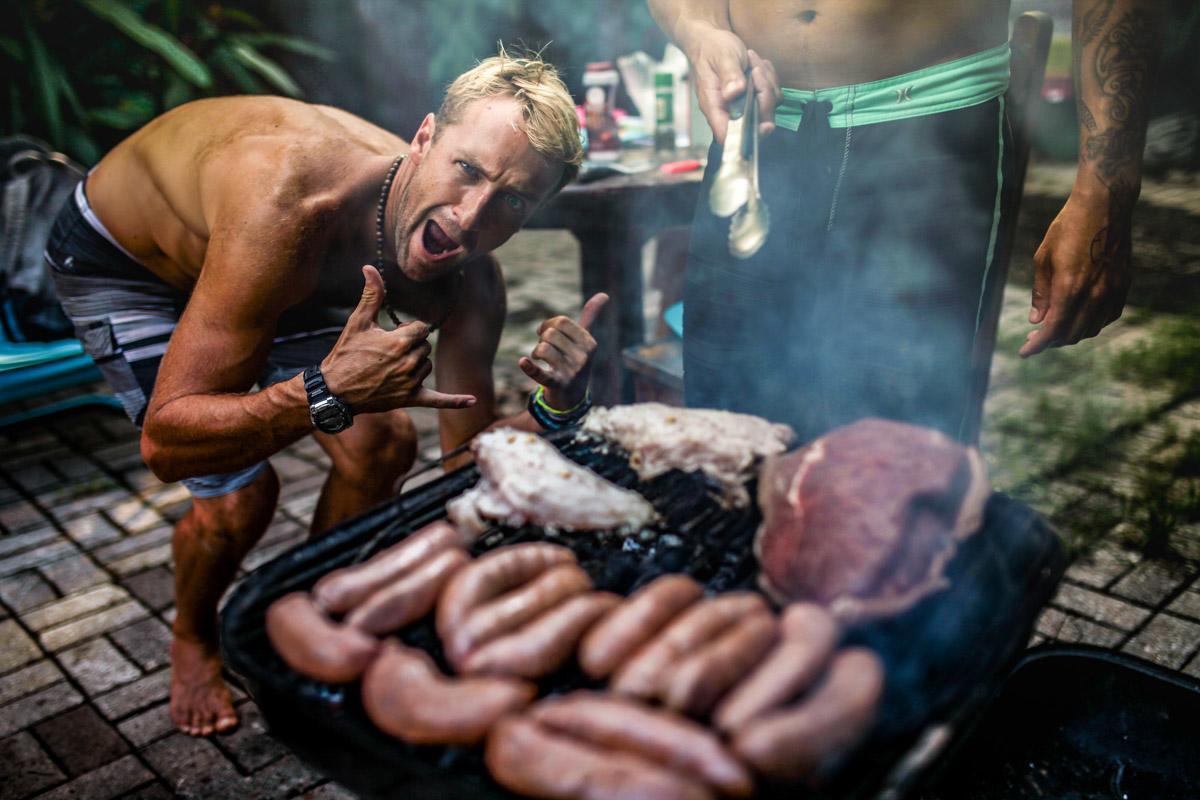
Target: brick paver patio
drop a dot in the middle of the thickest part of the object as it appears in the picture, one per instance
(85, 570)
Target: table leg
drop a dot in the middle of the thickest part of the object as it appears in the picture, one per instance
(611, 262)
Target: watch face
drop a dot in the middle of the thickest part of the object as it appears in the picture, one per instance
(331, 416)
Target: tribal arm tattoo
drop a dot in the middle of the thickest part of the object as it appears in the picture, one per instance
(1116, 48)
(1116, 44)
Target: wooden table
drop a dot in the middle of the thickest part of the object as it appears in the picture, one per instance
(613, 218)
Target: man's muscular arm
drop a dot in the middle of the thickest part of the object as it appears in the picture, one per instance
(202, 419)
(1082, 269)
(719, 59)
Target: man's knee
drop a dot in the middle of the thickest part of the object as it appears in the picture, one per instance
(383, 447)
(246, 511)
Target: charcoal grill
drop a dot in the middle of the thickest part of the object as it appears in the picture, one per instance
(945, 656)
(1085, 723)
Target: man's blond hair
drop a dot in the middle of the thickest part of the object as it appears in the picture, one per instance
(546, 105)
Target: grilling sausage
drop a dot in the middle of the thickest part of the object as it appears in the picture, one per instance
(313, 645)
(704, 676)
(664, 737)
(527, 758)
(493, 574)
(808, 638)
(409, 597)
(543, 645)
(631, 624)
(406, 695)
(642, 675)
(343, 589)
(794, 742)
(513, 609)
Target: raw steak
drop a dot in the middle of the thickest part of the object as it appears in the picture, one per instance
(523, 478)
(864, 518)
(722, 444)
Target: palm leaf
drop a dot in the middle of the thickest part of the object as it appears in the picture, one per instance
(12, 48)
(292, 44)
(152, 37)
(178, 91)
(68, 92)
(225, 59)
(44, 83)
(270, 71)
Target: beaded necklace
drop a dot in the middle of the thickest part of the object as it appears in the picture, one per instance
(379, 213)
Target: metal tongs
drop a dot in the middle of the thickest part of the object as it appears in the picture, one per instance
(735, 189)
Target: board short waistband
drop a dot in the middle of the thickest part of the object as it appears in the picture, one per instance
(961, 83)
(85, 208)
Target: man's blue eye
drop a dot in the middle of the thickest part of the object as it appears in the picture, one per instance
(467, 168)
(514, 202)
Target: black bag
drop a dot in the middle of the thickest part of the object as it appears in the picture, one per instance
(34, 183)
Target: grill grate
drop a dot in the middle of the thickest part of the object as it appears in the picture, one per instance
(1015, 560)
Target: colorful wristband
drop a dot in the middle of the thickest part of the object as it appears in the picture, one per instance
(552, 418)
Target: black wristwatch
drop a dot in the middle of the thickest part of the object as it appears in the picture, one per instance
(328, 412)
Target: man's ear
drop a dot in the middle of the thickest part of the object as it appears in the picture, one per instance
(423, 139)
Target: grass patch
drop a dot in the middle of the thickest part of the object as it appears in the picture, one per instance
(1169, 359)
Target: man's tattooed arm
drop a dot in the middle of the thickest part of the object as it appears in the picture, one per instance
(1115, 53)
(1082, 269)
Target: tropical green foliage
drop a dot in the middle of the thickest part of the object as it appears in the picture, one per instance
(86, 72)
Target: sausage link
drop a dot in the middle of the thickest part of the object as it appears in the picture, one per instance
(406, 696)
(704, 676)
(664, 737)
(410, 597)
(513, 609)
(642, 675)
(313, 645)
(631, 624)
(526, 758)
(543, 645)
(809, 635)
(345, 588)
(493, 574)
(795, 742)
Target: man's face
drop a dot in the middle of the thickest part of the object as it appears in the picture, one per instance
(474, 185)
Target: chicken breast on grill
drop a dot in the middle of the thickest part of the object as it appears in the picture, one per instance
(524, 479)
(723, 444)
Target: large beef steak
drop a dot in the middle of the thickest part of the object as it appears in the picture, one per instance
(864, 518)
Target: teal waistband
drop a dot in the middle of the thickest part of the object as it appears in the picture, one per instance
(963, 82)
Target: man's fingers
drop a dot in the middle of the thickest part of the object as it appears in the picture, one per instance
(767, 86)
(1042, 282)
(592, 309)
(431, 398)
(415, 330)
(371, 301)
(1044, 337)
(536, 371)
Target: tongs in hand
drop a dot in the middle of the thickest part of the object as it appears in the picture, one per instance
(731, 187)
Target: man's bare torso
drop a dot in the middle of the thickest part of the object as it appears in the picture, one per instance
(162, 190)
(816, 44)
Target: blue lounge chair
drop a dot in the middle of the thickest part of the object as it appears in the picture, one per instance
(35, 369)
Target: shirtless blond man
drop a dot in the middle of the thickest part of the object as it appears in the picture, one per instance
(210, 253)
(885, 176)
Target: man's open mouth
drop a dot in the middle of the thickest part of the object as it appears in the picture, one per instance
(437, 243)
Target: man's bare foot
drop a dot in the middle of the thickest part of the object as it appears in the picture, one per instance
(200, 701)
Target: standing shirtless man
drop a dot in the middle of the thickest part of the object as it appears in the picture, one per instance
(885, 178)
(211, 251)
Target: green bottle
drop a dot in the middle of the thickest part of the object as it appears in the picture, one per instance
(664, 110)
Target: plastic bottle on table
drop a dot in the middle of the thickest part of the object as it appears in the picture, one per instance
(664, 110)
(599, 91)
